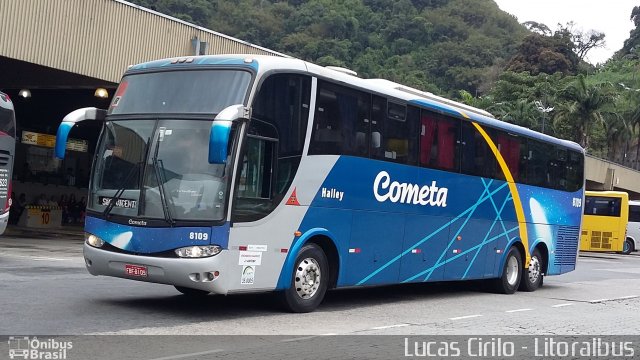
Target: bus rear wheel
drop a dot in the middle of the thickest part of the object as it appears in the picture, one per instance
(627, 247)
(532, 275)
(309, 281)
(191, 292)
(509, 280)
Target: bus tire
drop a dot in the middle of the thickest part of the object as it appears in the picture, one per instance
(309, 280)
(195, 293)
(532, 275)
(511, 275)
(627, 248)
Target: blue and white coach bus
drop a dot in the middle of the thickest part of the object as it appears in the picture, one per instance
(239, 173)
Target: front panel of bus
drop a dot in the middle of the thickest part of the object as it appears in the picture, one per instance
(7, 149)
(604, 222)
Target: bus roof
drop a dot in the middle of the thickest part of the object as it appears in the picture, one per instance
(265, 63)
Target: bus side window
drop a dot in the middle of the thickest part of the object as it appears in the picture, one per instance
(538, 163)
(378, 117)
(398, 138)
(512, 149)
(574, 171)
(439, 137)
(477, 158)
(341, 121)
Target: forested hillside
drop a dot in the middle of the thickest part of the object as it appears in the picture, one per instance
(436, 45)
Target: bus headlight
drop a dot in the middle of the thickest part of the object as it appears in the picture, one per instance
(93, 240)
(198, 251)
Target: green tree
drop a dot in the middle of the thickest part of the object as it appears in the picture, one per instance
(583, 108)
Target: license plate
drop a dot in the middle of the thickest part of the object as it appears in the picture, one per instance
(135, 270)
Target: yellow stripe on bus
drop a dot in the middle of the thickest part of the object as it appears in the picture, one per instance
(512, 188)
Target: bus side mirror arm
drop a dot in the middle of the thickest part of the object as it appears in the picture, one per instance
(69, 121)
(220, 130)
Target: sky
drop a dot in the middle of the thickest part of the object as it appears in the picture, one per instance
(612, 17)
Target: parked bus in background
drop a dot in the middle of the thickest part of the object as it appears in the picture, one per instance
(241, 173)
(604, 225)
(633, 227)
(7, 152)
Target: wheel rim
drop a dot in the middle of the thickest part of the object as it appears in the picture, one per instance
(534, 269)
(512, 270)
(626, 247)
(307, 278)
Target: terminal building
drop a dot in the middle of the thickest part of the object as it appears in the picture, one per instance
(58, 56)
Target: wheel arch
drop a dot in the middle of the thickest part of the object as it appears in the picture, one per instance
(322, 238)
(544, 251)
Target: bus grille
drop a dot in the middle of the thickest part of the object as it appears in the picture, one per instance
(567, 246)
(5, 156)
(601, 240)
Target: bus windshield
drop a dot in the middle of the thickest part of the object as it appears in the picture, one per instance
(156, 169)
(184, 91)
(7, 123)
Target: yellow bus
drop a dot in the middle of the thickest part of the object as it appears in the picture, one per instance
(604, 224)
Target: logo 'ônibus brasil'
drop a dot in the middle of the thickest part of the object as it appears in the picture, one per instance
(384, 189)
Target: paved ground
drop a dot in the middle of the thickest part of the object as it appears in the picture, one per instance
(45, 290)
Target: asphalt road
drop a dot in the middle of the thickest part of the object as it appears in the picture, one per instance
(45, 290)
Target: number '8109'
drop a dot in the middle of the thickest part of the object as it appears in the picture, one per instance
(198, 236)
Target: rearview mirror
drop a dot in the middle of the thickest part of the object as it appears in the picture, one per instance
(220, 130)
(70, 121)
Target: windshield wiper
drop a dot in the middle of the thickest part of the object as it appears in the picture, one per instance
(123, 185)
(161, 180)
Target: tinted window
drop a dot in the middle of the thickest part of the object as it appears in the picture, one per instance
(634, 213)
(512, 148)
(438, 141)
(602, 206)
(283, 101)
(539, 156)
(170, 92)
(341, 121)
(398, 135)
(575, 171)
(274, 145)
(477, 157)
(7, 122)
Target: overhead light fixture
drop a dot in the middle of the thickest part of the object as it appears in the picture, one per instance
(24, 93)
(101, 93)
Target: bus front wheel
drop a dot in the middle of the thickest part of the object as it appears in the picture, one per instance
(509, 281)
(309, 281)
(627, 247)
(532, 275)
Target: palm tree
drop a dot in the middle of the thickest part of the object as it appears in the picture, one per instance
(583, 107)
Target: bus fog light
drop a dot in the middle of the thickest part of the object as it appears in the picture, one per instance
(93, 240)
(198, 251)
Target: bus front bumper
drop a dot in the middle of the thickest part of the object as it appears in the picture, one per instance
(190, 273)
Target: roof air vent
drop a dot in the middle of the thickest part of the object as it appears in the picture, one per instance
(342, 70)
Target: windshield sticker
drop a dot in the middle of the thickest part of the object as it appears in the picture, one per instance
(121, 203)
(248, 275)
(119, 94)
(250, 258)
